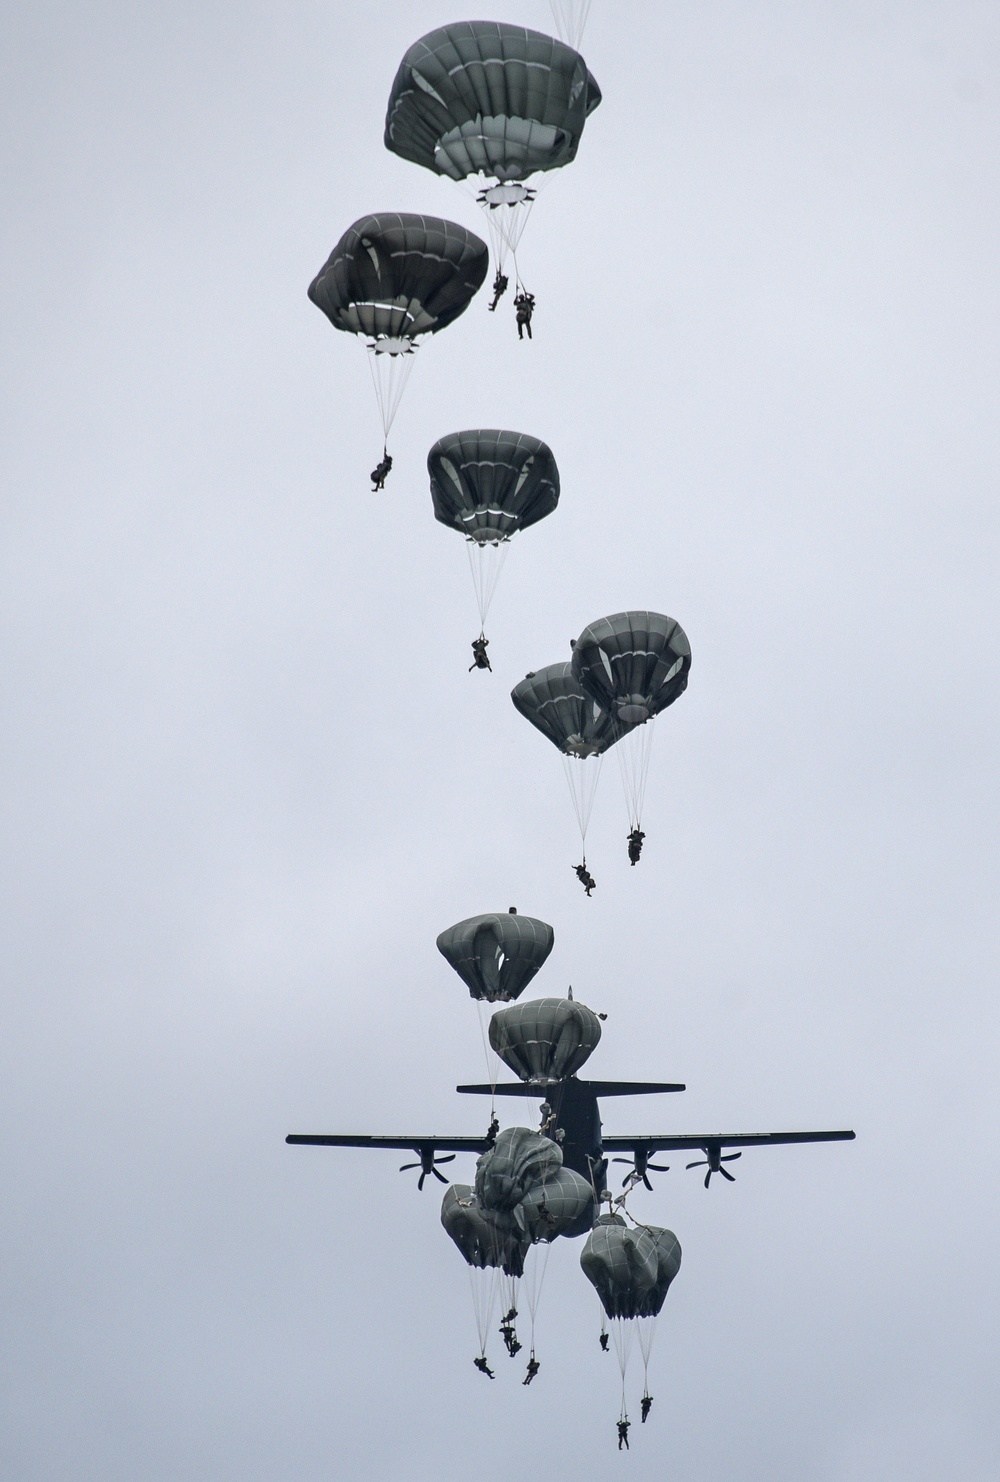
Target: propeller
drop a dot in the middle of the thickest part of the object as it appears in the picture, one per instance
(715, 1161)
(428, 1164)
(641, 1167)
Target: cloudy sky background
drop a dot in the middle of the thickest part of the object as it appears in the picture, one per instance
(247, 779)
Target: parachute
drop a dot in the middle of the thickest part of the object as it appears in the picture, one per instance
(489, 484)
(544, 1039)
(485, 98)
(523, 1196)
(633, 665)
(497, 956)
(631, 1271)
(621, 1265)
(394, 277)
(581, 729)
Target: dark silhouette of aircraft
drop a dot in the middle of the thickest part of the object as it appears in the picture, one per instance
(572, 1115)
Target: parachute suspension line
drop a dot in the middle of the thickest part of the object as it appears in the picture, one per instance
(570, 17)
(486, 563)
(535, 1268)
(582, 776)
(390, 374)
(483, 1284)
(622, 1336)
(647, 1332)
(633, 752)
(490, 1055)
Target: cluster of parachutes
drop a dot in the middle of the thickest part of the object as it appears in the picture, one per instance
(485, 104)
(524, 1197)
(625, 669)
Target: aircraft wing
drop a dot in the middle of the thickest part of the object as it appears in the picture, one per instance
(711, 1140)
(407, 1144)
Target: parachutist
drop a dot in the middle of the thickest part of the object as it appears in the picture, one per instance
(585, 878)
(499, 289)
(509, 1336)
(635, 839)
(381, 472)
(524, 303)
(510, 1316)
(533, 1368)
(623, 1426)
(604, 1342)
(647, 1405)
(480, 658)
(484, 1367)
(491, 1132)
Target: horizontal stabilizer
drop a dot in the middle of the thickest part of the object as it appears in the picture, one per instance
(540, 1089)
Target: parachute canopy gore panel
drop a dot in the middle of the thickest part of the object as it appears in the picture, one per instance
(485, 97)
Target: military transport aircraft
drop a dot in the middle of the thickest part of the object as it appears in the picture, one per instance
(571, 1116)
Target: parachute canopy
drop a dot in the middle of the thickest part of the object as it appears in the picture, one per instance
(621, 1264)
(631, 1269)
(489, 483)
(633, 664)
(485, 1237)
(563, 1205)
(517, 1161)
(668, 1263)
(546, 1038)
(395, 276)
(555, 703)
(497, 956)
(492, 98)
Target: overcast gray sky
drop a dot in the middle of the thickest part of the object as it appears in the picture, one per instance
(247, 779)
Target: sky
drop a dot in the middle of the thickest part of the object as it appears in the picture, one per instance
(247, 778)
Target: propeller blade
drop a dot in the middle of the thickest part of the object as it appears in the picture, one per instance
(726, 1174)
(646, 1181)
(660, 1167)
(420, 1181)
(405, 1167)
(729, 1158)
(450, 1158)
(441, 1178)
(621, 1160)
(687, 1165)
(708, 1178)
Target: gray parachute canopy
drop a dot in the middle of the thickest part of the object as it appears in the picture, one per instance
(497, 956)
(485, 96)
(517, 1161)
(489, 483)
(397, 276)
(554, 701)
(634, 664)
(621, 1264)
(562, 1205)
(546, 1038)
(485, 1237)
(668, 1263)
